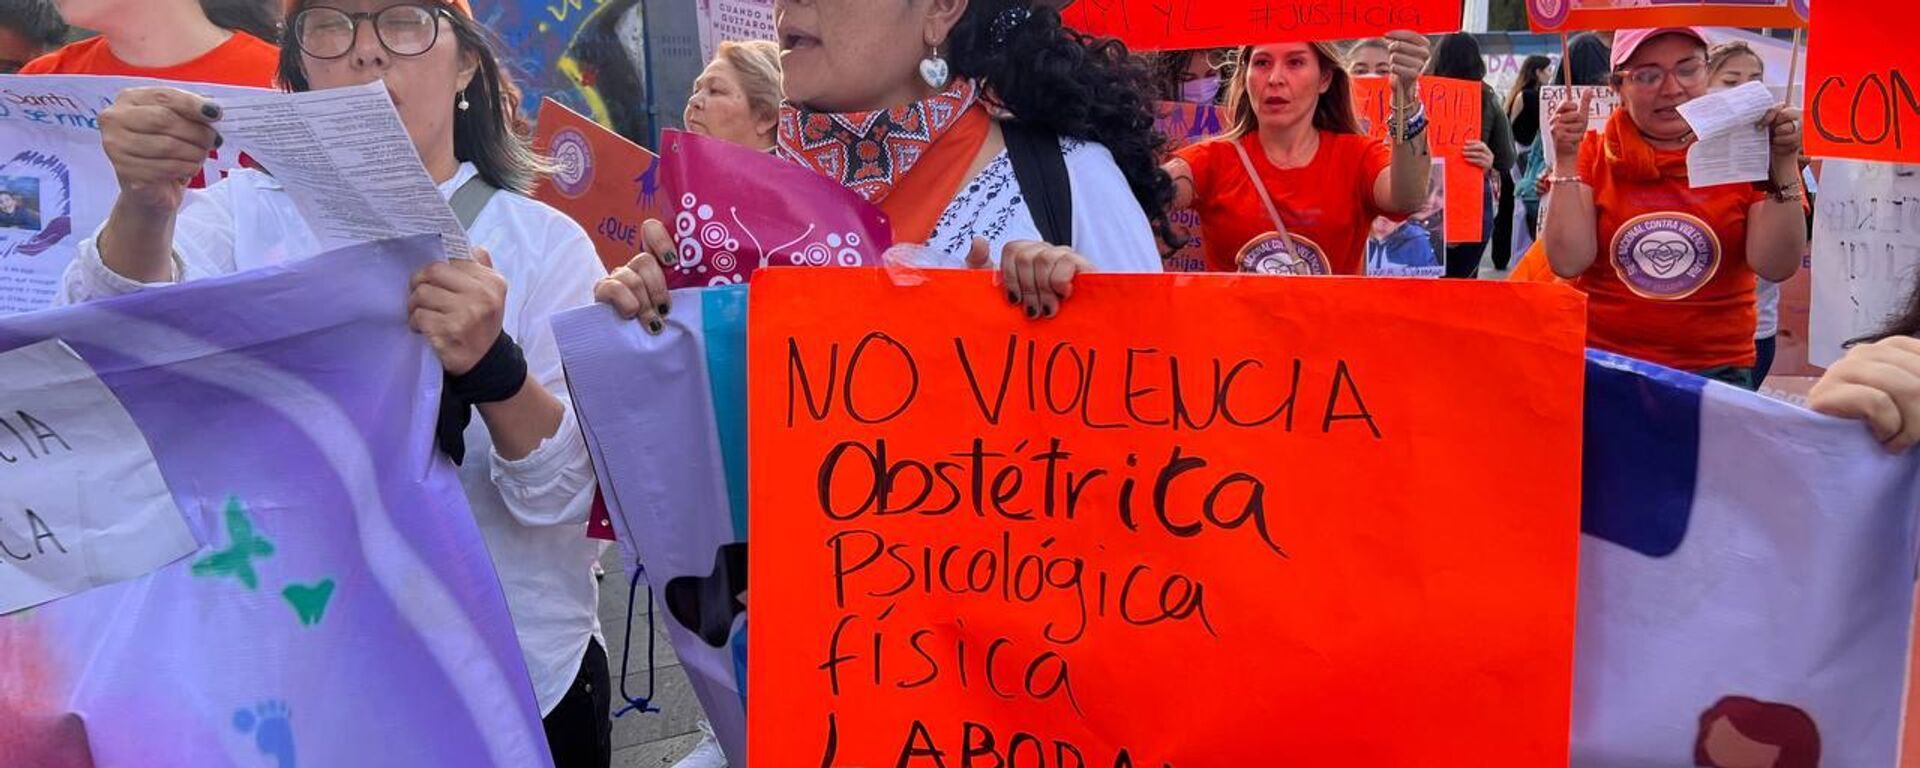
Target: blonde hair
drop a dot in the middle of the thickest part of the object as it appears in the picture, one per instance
(1334, 112)
(1721, 54)
(757, 62)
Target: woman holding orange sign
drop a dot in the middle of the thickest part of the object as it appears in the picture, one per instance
(1294, 186)
(1677, 283)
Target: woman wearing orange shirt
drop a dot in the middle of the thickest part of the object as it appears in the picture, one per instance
(1320, 181)
(1669, 269)
(162, 39)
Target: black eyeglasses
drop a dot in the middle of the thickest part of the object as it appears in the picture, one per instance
(404, 30)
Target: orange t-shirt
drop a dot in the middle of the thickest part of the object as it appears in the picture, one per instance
(242, 60)
(1670, 283)
(1328, 203)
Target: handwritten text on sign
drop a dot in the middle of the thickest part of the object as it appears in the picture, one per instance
(1454, 117)
(1016, 543)
(81, 499)
(1862, 73)
(1164, 25)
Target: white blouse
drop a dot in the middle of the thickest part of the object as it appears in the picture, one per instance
(1109, 227)
(532, 512)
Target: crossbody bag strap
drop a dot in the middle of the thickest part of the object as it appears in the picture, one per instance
(1040, 167)
(470, 199)
(1279, 227)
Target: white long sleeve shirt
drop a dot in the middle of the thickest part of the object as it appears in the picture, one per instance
(532, 512)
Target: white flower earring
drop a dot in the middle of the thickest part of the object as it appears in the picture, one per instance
(463, 105)
(934, 70)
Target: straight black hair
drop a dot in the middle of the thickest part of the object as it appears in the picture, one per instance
(491, 133)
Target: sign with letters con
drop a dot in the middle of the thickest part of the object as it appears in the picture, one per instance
(1170, 25)
(1862, 76)
(978, 539)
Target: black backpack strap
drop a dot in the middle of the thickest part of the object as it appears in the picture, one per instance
(1040, 167)
(449, 432)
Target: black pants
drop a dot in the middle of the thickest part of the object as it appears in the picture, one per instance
(579, 730)
(1502, 245)
(1463, 261)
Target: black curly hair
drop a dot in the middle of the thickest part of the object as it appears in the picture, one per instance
(1072, 84)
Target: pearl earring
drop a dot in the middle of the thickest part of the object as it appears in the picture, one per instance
(463, 105)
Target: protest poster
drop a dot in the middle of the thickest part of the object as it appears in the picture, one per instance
(1568, 15)
(1172, 25)
(734, 20)
(82, 502)
(1866, 250)
(341, 609)
(735, 210)
(1453, 115)
(606, 184)
(1415, 246)
(1713, 517)
(55, 184)
(1184, 123)
(981, 537)
(1601, 103)
(1861, 74)
(672, 468)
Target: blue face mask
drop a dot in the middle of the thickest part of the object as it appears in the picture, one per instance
(1200, 90)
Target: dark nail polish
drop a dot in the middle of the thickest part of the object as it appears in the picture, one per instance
(1051, 311)
(665, 310)
(219, 140)
(211, 110)
(1013, 297)
(654, 326)
(1033, 313)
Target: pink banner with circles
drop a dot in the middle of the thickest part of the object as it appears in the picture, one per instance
(733, 210)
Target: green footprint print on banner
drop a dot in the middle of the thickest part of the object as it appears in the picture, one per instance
(309, 600)
(237, 559)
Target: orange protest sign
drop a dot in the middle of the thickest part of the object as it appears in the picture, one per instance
(1567, 15)
(606, 184)
(1169, 25)
(1197, 520)
(1454, 119)
(1862, 73)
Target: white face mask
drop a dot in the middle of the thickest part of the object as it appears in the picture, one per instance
(1200, 90)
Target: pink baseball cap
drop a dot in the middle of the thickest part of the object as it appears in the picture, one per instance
(1628, 41)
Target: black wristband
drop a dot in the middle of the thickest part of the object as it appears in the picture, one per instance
(498, 376)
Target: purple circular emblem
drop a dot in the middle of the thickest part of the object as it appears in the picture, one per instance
(1665, 255)
(1802, 7)
(1550, 14)
(1268, 255)
(575, 160)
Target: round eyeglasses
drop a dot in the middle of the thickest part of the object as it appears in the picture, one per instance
(404, 30)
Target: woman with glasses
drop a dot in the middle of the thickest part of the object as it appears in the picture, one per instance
(523, 464)
(161, 39)
(1668, 269)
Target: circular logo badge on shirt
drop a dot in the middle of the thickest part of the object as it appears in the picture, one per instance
(575, 160)
(1802, 8)
(1268, 255)
(1665, 255)
(1550, 13)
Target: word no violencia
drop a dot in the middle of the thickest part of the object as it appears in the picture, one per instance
(975, 745)
(1142, 388)
(24, 438)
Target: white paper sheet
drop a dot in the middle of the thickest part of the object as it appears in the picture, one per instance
(346, 160)
(1733, 145)
(82, 502)
(1601, 103)
(1866, 252)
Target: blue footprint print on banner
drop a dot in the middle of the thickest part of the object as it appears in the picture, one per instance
(272, 728)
